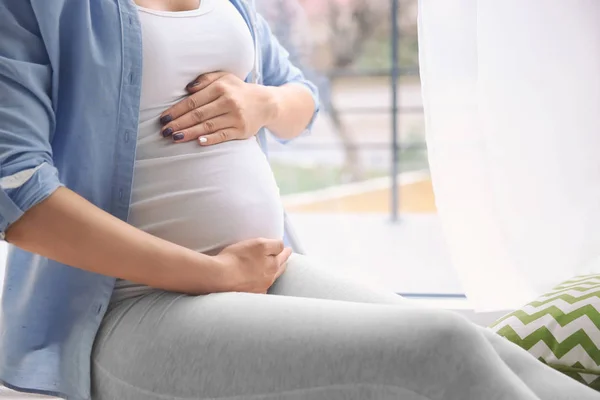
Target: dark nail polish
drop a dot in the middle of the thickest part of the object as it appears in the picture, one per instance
(192, 84)
(166, 119)
(167, 132)
(178, 136)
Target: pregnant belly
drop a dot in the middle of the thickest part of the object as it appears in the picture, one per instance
(209, 197)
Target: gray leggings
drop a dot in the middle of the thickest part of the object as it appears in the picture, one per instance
(314, 337)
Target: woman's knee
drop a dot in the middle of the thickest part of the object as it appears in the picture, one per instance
(445, 331)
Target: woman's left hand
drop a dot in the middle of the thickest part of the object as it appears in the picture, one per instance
(220, 107)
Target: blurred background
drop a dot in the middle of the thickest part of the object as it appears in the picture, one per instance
(358, 189)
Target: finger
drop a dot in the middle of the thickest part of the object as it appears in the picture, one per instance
(191, 102)
(222, 123)
(283, 257)
(271, 247)
(196, 117)
(222, 135)
(204, 80)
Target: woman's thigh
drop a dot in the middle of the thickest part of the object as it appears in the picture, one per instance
(248, 346)
(306, 277)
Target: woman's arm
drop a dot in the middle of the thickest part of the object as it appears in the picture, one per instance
(294, 93)
(67, 228)
(292, 108)
(297, 98)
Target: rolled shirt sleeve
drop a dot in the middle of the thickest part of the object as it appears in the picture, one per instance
(278, 70)
(27, 121)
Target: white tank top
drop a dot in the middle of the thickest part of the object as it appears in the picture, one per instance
(203, 198)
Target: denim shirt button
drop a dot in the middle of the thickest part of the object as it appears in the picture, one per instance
(126, 137)
(120, 194)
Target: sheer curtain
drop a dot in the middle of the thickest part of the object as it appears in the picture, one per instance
(512, 104)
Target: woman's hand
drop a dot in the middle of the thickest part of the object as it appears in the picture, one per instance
(253, 265)
(220, 107)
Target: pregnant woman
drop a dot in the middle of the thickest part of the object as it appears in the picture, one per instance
(147, 258)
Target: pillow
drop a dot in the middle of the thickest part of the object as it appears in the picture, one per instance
(561, 328)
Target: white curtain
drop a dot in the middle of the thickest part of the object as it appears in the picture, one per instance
(512, 103)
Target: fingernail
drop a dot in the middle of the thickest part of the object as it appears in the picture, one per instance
(167, 132)
(203, 140)
(178, 136)
(166, 119)
(192, 84)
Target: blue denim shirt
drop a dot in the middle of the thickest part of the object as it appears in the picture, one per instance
(70, 73)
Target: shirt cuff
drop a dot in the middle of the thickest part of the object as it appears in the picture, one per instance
(19, 192)
(312, 89)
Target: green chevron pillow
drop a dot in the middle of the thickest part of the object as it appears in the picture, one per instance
(561, 329)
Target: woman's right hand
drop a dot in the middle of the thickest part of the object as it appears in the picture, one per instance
(252, 266)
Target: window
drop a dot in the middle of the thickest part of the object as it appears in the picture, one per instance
(337, 184)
